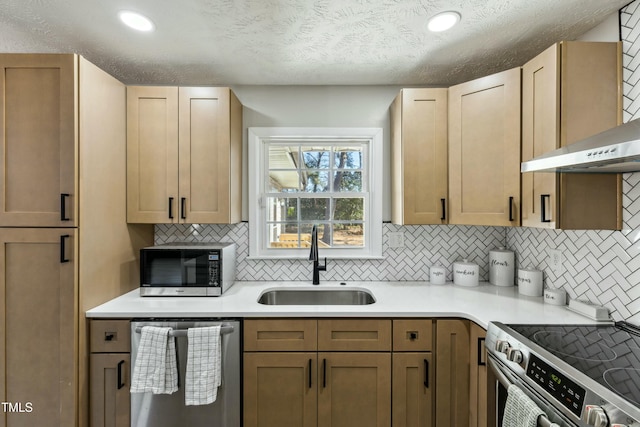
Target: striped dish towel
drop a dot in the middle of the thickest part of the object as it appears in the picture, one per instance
(520, 410)
(204, 370)
(156, 368)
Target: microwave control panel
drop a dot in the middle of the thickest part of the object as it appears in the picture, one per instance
(214, 268)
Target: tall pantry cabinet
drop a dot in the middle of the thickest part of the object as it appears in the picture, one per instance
(65, 245)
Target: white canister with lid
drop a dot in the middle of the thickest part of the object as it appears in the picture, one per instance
(501, 267)
(530, 282)
(465, 273)
(437, 275)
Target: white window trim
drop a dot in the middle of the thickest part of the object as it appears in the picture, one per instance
(257, 224)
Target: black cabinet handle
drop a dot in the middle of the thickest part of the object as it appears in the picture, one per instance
(310, 373)
(170, 207)
(183, 208)
(444, 209)
(63, 257)
(63, 207)
(426, 373)
(543, 207)
(324, 373)
(481, 361)
(120, 383)
(511, 209)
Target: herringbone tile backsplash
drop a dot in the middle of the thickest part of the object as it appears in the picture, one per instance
(598, 266)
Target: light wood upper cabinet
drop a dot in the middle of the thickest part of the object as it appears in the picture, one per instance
(570, 92)
(419, 157)
(184, 155)
(38, 142)
(484, 150)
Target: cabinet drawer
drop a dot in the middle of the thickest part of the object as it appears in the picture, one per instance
(110, 336)
(413, 335)
(354, 335)
(280, 335)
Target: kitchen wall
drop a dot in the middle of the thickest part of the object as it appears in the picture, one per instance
(599, 266)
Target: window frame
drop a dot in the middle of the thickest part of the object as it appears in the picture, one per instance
(258, 140)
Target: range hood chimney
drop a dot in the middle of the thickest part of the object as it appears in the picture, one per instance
(613, 151)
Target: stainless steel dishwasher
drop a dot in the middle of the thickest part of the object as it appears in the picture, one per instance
(149, 410)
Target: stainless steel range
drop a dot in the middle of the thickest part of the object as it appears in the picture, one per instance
(579, 375)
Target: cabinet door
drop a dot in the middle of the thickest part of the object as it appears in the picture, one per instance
(354, 389)
(482, 397)
(413, 390)
(210, 155)
(280, 389)
(152, 155)
(38, 140)
(419, 157)
(38, 319)
(110, 399)
(570, 92)
(484, 151)
(452, 373)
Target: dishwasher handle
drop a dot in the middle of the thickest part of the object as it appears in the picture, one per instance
(224, 329)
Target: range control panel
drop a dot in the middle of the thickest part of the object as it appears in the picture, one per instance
(561, 388)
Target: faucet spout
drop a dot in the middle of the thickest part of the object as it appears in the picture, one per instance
(313, 256)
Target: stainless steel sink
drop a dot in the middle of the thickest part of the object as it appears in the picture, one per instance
(317, 296)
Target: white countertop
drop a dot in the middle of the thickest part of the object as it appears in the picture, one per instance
(480, 304)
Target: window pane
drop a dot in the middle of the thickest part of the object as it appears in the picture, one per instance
(348, 157)
(347, 181)
(283, 157)
(316, 158)
(348, 234)
(283, 235)
(282, 209)
(349, 209)
(317, 182)
(284, 182)
(323, 234)
(314, 209)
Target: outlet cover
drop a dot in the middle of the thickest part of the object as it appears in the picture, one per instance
(555, 260)
(396, 239)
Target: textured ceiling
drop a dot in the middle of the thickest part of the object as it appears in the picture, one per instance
(298, 42)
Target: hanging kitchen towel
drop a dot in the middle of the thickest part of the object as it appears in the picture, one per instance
(204, 370)
(156, 368)
(520, 410)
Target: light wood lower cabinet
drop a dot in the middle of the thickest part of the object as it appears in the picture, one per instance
(280, 389)
(109, 373)
(354, 389)
(452, 372)
(110, 399)
(413, 389)
(481, 399)
(37, 318)
(334, 385)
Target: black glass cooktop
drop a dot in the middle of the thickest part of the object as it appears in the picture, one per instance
(609, 354)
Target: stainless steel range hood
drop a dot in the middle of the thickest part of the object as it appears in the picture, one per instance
(613, 151)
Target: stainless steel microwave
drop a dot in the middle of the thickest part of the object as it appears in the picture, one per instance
(187, 269)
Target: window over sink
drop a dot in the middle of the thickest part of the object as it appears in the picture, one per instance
(329, 177)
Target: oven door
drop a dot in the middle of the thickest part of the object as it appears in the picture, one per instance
(505, 377)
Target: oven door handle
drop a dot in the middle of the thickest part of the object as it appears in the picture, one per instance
(543, 421)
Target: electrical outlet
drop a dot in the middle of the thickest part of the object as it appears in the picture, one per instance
(555, 260)
(396, 239)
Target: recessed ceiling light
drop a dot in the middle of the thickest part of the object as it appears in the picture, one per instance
(136, 21)
(443, 21)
